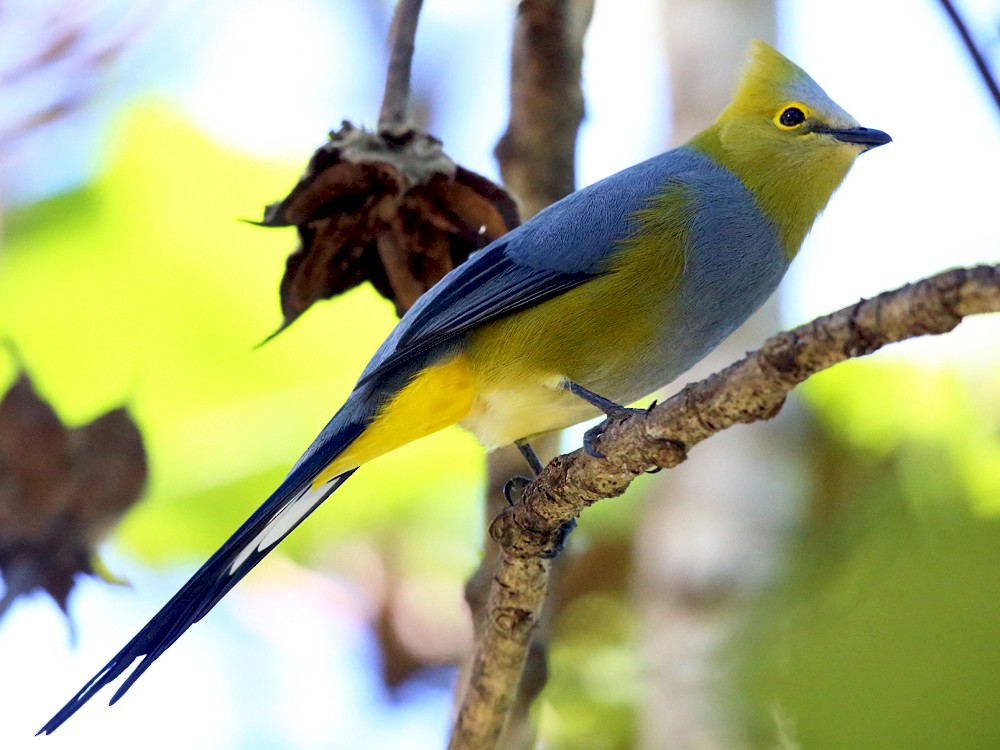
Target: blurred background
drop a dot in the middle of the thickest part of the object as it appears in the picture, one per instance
(831, 579)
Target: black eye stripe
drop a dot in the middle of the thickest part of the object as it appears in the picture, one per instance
(791, 117)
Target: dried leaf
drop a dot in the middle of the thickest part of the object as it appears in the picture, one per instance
(332, 191)
(109, 472)
(308, 274)
(61, 490)
(34, 457)
(393, 244)
(497, 200)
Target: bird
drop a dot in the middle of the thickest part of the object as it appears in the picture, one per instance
(597, 301)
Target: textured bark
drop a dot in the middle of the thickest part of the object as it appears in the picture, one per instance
(752, 389)
(518, 732)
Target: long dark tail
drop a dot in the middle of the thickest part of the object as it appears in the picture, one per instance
(285, 509)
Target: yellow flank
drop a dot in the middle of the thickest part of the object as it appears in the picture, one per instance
(520, 361)
(437, 397)
(619, 310)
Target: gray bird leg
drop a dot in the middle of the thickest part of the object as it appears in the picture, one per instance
(611, 410)
(529, 455)
(515, 485)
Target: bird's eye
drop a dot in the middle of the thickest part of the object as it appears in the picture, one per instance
(791, 117)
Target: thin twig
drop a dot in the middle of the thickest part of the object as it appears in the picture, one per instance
(750, 390)
(396, 99)
(977, 56)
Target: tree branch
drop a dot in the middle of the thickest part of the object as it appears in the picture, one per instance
(977, 57)
(396, 98)
(538, 150)
(750, 390)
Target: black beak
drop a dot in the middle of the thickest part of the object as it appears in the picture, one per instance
(867, 137)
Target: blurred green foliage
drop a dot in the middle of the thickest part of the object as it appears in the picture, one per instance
(938, 426)
(884, 633)
(145, 289)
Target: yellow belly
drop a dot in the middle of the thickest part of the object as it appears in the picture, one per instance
(454, 392)
(506, 384)
(437, 397)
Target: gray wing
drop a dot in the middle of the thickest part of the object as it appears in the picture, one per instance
(492, 285)
(561, 248)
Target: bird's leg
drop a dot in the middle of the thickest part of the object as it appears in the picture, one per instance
(515, 485)
(529, 455)
(611, 410)
(514, 489)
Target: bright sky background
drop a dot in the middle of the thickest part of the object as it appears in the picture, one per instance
(271, 77)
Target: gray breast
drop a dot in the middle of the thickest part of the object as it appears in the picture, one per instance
(734, 264)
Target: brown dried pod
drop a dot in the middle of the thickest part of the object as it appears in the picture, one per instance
(389, 207)
(61, 490)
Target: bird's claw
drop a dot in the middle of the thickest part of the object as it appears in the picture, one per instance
(560, 541)
(590, 439)
(514, 489)
(591, 436)
(611, 410)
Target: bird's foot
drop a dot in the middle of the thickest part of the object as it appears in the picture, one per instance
(530, 456)
(612, 410)
(514, 489)
(559, 543)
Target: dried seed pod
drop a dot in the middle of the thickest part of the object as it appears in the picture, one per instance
(389, 207)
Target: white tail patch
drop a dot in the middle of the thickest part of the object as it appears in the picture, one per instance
(285, 520)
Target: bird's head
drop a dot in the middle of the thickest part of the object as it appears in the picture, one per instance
(778, 106)
(788, 141)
